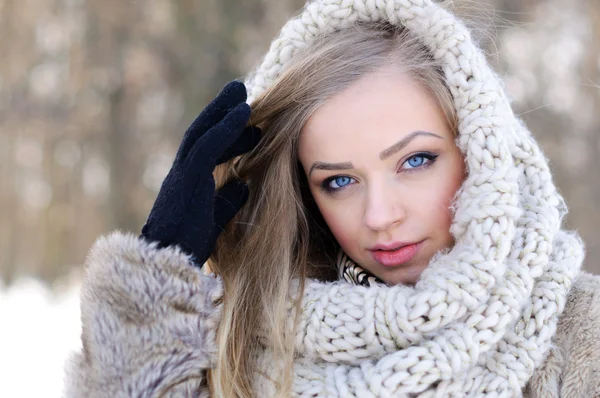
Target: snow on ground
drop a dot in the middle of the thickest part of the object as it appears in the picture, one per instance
(38, 330)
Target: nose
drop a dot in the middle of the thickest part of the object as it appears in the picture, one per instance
(384, 208)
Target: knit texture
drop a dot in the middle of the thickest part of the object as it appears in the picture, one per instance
(481, 318)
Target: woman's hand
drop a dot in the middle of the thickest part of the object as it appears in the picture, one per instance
(187, 212)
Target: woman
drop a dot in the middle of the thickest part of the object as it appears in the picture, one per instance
(395, 232)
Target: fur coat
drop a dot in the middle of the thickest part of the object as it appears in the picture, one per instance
(149, 319)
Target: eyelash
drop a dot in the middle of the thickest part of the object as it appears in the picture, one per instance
(431, 157)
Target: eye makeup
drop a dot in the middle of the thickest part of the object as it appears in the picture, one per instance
(429, 160)
(343, 181)
(328, 189)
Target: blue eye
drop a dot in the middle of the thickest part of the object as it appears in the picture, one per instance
(416, 161)
(336, 184)
(419, 160)
(340, 182)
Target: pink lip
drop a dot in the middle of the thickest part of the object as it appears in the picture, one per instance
(394, 254)
(391, 245)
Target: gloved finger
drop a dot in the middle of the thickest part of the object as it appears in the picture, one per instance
(216, 141)
(228, 202)
(233, 94)
(245, 143)
(195, 229)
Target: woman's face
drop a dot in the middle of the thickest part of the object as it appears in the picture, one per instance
(383, 169)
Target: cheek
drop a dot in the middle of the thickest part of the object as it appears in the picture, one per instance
(438, 207)
(341, 220)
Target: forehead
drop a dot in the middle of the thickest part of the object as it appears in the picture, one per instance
(376, 111)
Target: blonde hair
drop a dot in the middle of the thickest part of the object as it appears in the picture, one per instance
(279, 235)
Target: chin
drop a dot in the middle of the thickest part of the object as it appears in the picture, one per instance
(402, 281)
(408, 276)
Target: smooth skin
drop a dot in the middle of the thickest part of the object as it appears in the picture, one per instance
(383, 167)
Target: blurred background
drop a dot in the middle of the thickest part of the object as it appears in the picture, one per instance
(95, 96)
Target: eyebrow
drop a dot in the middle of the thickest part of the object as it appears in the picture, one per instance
(386, 153)
(404, 142)
(330, 166)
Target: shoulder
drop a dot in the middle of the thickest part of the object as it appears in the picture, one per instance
(582, 309)
(572, 368)
(148, 321)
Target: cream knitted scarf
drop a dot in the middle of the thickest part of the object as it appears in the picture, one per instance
(482, 315)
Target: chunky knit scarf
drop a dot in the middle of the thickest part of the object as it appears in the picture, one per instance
(481, 317)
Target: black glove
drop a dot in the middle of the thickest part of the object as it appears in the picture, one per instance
(187, 212)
